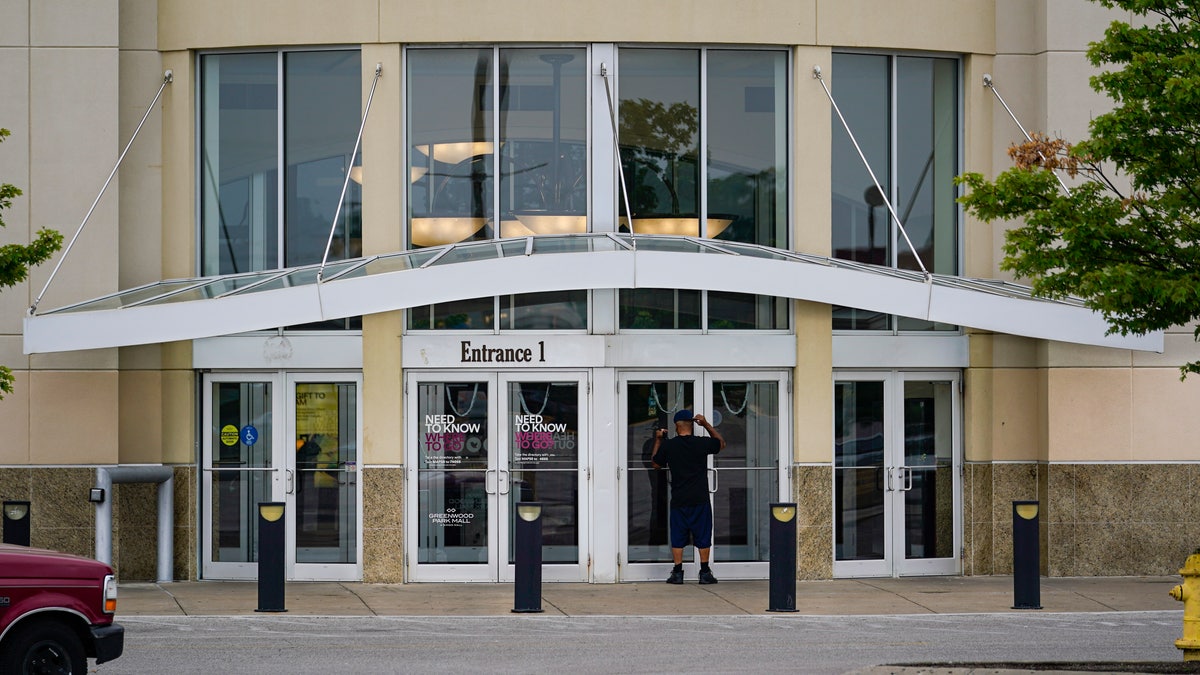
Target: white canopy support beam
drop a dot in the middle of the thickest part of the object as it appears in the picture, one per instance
(174, 311)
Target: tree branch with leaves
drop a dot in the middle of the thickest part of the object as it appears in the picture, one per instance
(1133, 253)
(16, 259)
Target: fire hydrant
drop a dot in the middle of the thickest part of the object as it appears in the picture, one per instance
(1189, 594)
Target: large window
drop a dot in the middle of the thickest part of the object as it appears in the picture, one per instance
(500, 140)
(728, 107)
(904, 114)
(500, 161)
(277, 132)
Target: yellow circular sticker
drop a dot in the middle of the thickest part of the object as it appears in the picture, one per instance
(229, 434)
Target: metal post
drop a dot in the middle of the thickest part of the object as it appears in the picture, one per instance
(527, 589)
(16, 523)
(1027, 592)
(782, 585)
(270, 557)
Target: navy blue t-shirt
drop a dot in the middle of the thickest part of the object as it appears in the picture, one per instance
(687, 457)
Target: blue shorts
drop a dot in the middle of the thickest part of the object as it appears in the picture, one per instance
(696, 521)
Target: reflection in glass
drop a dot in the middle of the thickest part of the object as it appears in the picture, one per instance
(861, 223)
(452, 142)
(649, 406)
(551, 310)
(927, 159)
(239, 114)
(928, 448)
(746, 118)
(323, 101)
(472, 314)
(452, 462)
(904, 114)
(744, 198)
(323, 98)
(543, 134)
(241, 228)
(236, 492)
(663, 309)
(545, 451)
(858, 437)
(659, 132)
(747, 469)
(741, 311)
(326, 472)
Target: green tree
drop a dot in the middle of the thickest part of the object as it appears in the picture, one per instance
(16, 259)
(1126, 238)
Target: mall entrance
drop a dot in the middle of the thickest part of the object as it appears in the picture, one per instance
(897, 474)
(748, 409)
(282, 437)
(479, 443)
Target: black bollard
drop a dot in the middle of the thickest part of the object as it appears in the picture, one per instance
(527, 586)
(16, 523)
(1027, 593)
(270, 557)
(782, 585)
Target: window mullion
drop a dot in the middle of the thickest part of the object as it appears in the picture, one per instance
(496, 215)
(280, 166)
(892, 179)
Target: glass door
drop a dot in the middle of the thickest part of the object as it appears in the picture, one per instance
(453, 478)
(240, 470)
(747, 409)
(750, 472)
(544, 461)
(322, 477)
(309, 462)
(897, 474)
(650, 400)
(480, 444)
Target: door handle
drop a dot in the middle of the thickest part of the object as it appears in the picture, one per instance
(908, 478)
(489, 481)
(712, 481)
(887, 476)
(291, 482)
(504, 482)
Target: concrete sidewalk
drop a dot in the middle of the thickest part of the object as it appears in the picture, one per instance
(920, 595)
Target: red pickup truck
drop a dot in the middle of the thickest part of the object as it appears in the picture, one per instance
(56, 610)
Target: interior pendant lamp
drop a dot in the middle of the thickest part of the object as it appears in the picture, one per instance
(555, 214)
(440, 229)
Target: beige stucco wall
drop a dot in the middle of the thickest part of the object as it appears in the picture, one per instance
(59, 62)
(939, 25)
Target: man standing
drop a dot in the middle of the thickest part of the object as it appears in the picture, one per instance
(691, 513)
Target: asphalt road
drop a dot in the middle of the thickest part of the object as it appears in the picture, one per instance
(278, 643)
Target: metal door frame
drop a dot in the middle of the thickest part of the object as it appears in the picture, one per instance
(702, 384)
(498, 473)
(322, 571)
(894, 563)
(282, 467)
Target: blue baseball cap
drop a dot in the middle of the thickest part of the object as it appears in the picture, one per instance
(684, 416)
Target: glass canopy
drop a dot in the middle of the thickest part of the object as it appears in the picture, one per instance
(184, 309)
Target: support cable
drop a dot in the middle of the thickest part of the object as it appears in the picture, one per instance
(987, 82)
(168, 78)
(612, 115)
(349, 168)
(817, 76)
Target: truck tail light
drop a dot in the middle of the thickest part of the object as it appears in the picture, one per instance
(110, 594)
